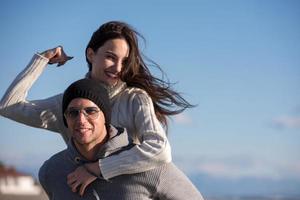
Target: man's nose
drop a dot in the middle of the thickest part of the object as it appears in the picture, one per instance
(81, 117)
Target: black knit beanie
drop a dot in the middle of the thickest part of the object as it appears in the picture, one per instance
(88, 89)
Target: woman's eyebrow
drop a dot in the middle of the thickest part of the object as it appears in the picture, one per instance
(111, 53)
(115, 55)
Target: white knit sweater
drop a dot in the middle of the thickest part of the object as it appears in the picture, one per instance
(132, 109)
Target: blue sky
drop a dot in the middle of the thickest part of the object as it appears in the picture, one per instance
(239, 61)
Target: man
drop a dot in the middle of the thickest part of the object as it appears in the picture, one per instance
(86, 110)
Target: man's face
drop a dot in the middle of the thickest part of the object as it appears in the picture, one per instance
(86, 122)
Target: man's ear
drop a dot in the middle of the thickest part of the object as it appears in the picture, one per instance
(90, 54)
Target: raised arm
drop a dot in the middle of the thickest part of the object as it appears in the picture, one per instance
(40, 113)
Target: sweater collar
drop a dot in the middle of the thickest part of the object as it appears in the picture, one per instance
(112, 90)
(118, 139)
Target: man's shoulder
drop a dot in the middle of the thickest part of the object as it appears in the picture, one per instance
(51, 168)
(60, 155)
(54, 161)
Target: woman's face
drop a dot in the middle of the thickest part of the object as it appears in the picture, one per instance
(107, 62)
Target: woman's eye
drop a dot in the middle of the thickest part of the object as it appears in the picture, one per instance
(110, 57)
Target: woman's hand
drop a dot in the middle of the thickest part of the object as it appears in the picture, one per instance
(56, 55)
(80, 177)
(93, 168)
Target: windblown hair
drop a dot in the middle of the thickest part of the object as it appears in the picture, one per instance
(135, 71)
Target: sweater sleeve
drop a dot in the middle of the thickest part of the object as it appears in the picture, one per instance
(153, 149)
(40, 113)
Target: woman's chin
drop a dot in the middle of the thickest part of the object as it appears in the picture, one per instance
(112, 83)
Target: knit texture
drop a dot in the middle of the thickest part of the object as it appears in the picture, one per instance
(165, 182)
(131, 108)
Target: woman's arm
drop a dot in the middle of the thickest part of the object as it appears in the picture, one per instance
(153, 149)
(40, 113)
(81, 177)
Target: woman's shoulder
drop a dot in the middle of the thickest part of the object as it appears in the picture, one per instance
(136, 96)
(135, 92)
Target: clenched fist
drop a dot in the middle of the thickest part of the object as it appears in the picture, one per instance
(56, 55)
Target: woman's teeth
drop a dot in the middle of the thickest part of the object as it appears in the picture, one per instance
(112, 75)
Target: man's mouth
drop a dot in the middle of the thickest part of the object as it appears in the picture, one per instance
(82, 130)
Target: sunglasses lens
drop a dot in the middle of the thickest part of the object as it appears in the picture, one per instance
(73, 113)
(89, 112)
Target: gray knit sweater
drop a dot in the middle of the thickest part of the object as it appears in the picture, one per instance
(164, 182)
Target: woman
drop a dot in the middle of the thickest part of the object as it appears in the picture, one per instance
(140, 102)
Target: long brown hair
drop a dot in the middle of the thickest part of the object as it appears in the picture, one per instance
(136, 73)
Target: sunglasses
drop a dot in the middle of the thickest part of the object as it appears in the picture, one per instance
(89, 113)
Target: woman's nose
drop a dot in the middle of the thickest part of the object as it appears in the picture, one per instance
(118, 66)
